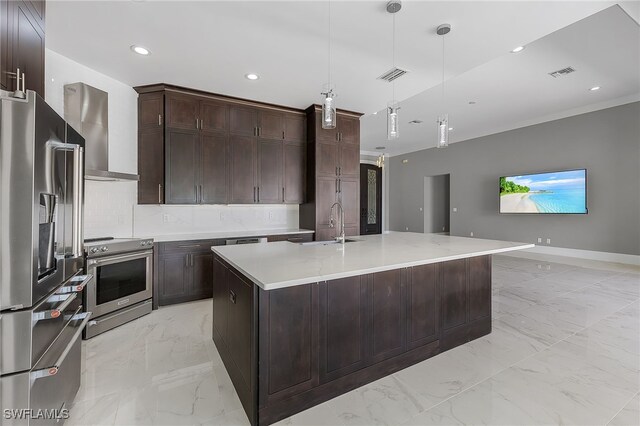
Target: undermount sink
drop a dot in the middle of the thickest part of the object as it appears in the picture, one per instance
(326, 243)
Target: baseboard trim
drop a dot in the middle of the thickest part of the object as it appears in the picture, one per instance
(603, 256)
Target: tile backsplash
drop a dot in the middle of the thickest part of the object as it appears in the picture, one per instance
(150, 220)
(108, 208)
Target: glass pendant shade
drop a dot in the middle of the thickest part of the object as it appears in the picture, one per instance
(443, 131)
(393, 121)
(380, 161)
(328, 110)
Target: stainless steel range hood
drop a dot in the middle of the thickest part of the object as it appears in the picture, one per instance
(86, 110)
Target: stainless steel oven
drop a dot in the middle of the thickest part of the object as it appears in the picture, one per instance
(122, 271)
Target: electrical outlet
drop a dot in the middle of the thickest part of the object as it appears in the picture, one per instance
(420, 208)
(443, 228)
(548, 240)
(471, 234)
(539, 239)
(406, 228)
(455, 209)
(166, 218)
(223, 216)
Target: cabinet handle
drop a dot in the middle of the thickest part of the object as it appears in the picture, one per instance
(283, 194)
(255, 131)
(340, 186)
(336, 170)
(191, 256)
(283, 134)
(201, 195)
(232, 297)
(254, 194)
(159, 193)
(197, 121)
(189, 245)
(258, 194)
(336, 186)
(159, 119)
(201, 124)
(186, 261)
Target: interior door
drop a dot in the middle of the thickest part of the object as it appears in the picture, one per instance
(370, 199)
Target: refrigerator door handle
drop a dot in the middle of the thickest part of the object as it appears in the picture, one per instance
(77, 216)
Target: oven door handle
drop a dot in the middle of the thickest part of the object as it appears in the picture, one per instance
(76, 284)
(112, 259)
(52, 370)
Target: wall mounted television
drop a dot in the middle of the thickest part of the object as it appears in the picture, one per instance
(563, 192)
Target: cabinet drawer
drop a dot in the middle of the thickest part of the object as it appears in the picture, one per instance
(188, 246)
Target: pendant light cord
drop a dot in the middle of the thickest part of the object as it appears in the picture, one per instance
(443, 36)
(393, 58)
(329, 61)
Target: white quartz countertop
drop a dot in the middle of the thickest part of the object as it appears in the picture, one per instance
(224, 234)
(284, 264)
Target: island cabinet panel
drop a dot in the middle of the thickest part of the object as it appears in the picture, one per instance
(319, 340)
(288, 342)
(387, 324)
(479, 287)
(423, 305)
(454, 293)
(343, 322)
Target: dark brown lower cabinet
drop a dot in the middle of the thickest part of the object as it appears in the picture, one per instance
(184, 271)
(306, 344)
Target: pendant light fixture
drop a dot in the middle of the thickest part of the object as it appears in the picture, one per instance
(393, 123)
(329, 102)
(380, 161)
(443, 119)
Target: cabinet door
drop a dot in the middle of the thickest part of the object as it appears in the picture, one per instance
(213, 116)
(329, 135)
(201, 275)
(220, 298)
(349, 160)
(150, 111)
(242, 161)
(214, 170)
(295, 171)
(350, 199)
(25, 47)
(388, 315)
(479, 287)
(423, 306)
(243, 121)
(174, 279)
(239, 323)
(342, 325)
(5, 64)
(349, 128)
(295, 128)
(271, 125)
(326, 195)
(454, 293)
(151, 166)
(182, 111)
(270, 168)
(181, 166)
(327, 158)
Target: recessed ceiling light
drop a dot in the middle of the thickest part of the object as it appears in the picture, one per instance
(518, 49)
(374, 113)
(450, 128)
(140, 50)
(381, 147)
(472, 102)
(594, 88)
(251, 76)
(415, 122)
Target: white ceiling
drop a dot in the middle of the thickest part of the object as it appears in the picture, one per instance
(212, 45)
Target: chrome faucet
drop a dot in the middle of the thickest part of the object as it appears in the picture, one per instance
(340, 238)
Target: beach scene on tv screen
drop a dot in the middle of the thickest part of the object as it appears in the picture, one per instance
(559, 192)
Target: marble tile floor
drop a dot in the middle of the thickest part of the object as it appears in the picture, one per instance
(564, 349)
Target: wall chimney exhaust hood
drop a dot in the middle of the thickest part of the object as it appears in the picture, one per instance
(86, 110)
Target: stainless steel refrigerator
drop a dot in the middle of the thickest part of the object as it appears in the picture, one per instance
(41, 261)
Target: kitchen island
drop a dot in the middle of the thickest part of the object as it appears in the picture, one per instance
(298, 324)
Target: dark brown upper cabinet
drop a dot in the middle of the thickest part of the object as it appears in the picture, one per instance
(197, 148)
(333, 173)
(22, 42)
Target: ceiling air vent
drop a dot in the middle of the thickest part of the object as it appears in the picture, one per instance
(392, 74)
(415, 122)
(562, 72)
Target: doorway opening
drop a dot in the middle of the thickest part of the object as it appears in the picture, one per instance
(436, 204)
(370, 199)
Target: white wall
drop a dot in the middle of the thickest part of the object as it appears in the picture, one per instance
(111, 207)
(108, 205)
